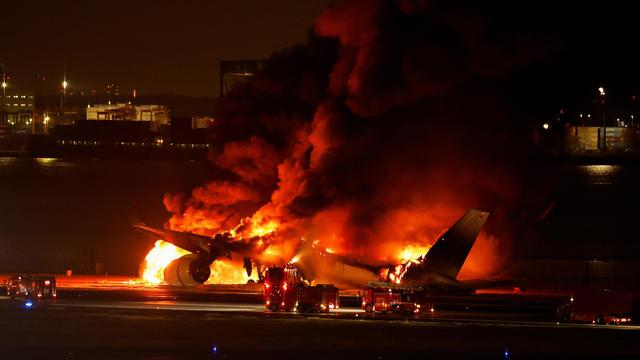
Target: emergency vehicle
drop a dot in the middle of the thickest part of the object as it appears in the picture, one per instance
(597, 307)
(29, 286)
(383, 296)
(284, 289)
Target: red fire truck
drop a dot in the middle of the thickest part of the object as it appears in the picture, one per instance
(29, 286)
(383, 296)
(319, 298)
(597, 307)
(285, 290)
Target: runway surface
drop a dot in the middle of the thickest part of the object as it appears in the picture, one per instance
(169, 323)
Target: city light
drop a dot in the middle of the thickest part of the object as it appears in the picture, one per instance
(64, 84)
(545, 126)
(4, 84)
(601, 90)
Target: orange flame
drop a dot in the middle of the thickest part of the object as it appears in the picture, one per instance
(229, 272)
(413, 252)
(152, 268)
(223, 271)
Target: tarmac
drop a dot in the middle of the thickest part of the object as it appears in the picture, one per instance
(132, 322)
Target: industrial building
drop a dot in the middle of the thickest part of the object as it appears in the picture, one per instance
(17, 110)
(235, 71)
(157, 114)
(112, 90)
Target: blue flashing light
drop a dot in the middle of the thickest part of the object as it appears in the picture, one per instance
(214, 349)
(506, 354)
(28, 304)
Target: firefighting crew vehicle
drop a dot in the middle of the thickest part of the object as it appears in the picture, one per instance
(285, 289)
(383, 296)
(29, 286)
(597, 307)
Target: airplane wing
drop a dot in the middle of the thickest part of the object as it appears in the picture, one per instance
(191, 242)
(220, 244)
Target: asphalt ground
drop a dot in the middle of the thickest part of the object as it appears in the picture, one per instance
(165, 323)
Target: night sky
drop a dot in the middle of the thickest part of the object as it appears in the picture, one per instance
(152, 46)
(159, 47)
(491, 71)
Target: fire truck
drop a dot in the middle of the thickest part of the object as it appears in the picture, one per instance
(597, 307)
(285, 289)
(383, 296)
(28, 286)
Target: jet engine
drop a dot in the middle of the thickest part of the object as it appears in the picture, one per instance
(189, 270)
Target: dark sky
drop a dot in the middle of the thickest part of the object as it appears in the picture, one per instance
(152, 46)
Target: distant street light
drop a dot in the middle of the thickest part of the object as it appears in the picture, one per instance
(4, 87)
(604, 119)
(545, 126)
(64, 93)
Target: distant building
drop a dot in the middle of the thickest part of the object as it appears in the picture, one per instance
(125, 112)
(112, 90)
(235, 71)
(201, 122)
(17, 109)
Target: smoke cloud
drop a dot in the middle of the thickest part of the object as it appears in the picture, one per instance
(375, 136)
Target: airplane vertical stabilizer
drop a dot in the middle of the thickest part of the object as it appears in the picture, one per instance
(449, 253)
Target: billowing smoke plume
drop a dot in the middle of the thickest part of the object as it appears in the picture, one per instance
(375, 136)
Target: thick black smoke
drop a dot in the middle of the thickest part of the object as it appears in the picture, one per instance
(393, 120)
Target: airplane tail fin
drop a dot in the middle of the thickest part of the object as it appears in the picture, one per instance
(449, 253)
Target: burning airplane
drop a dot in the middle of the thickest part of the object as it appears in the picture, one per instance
(437, 269)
